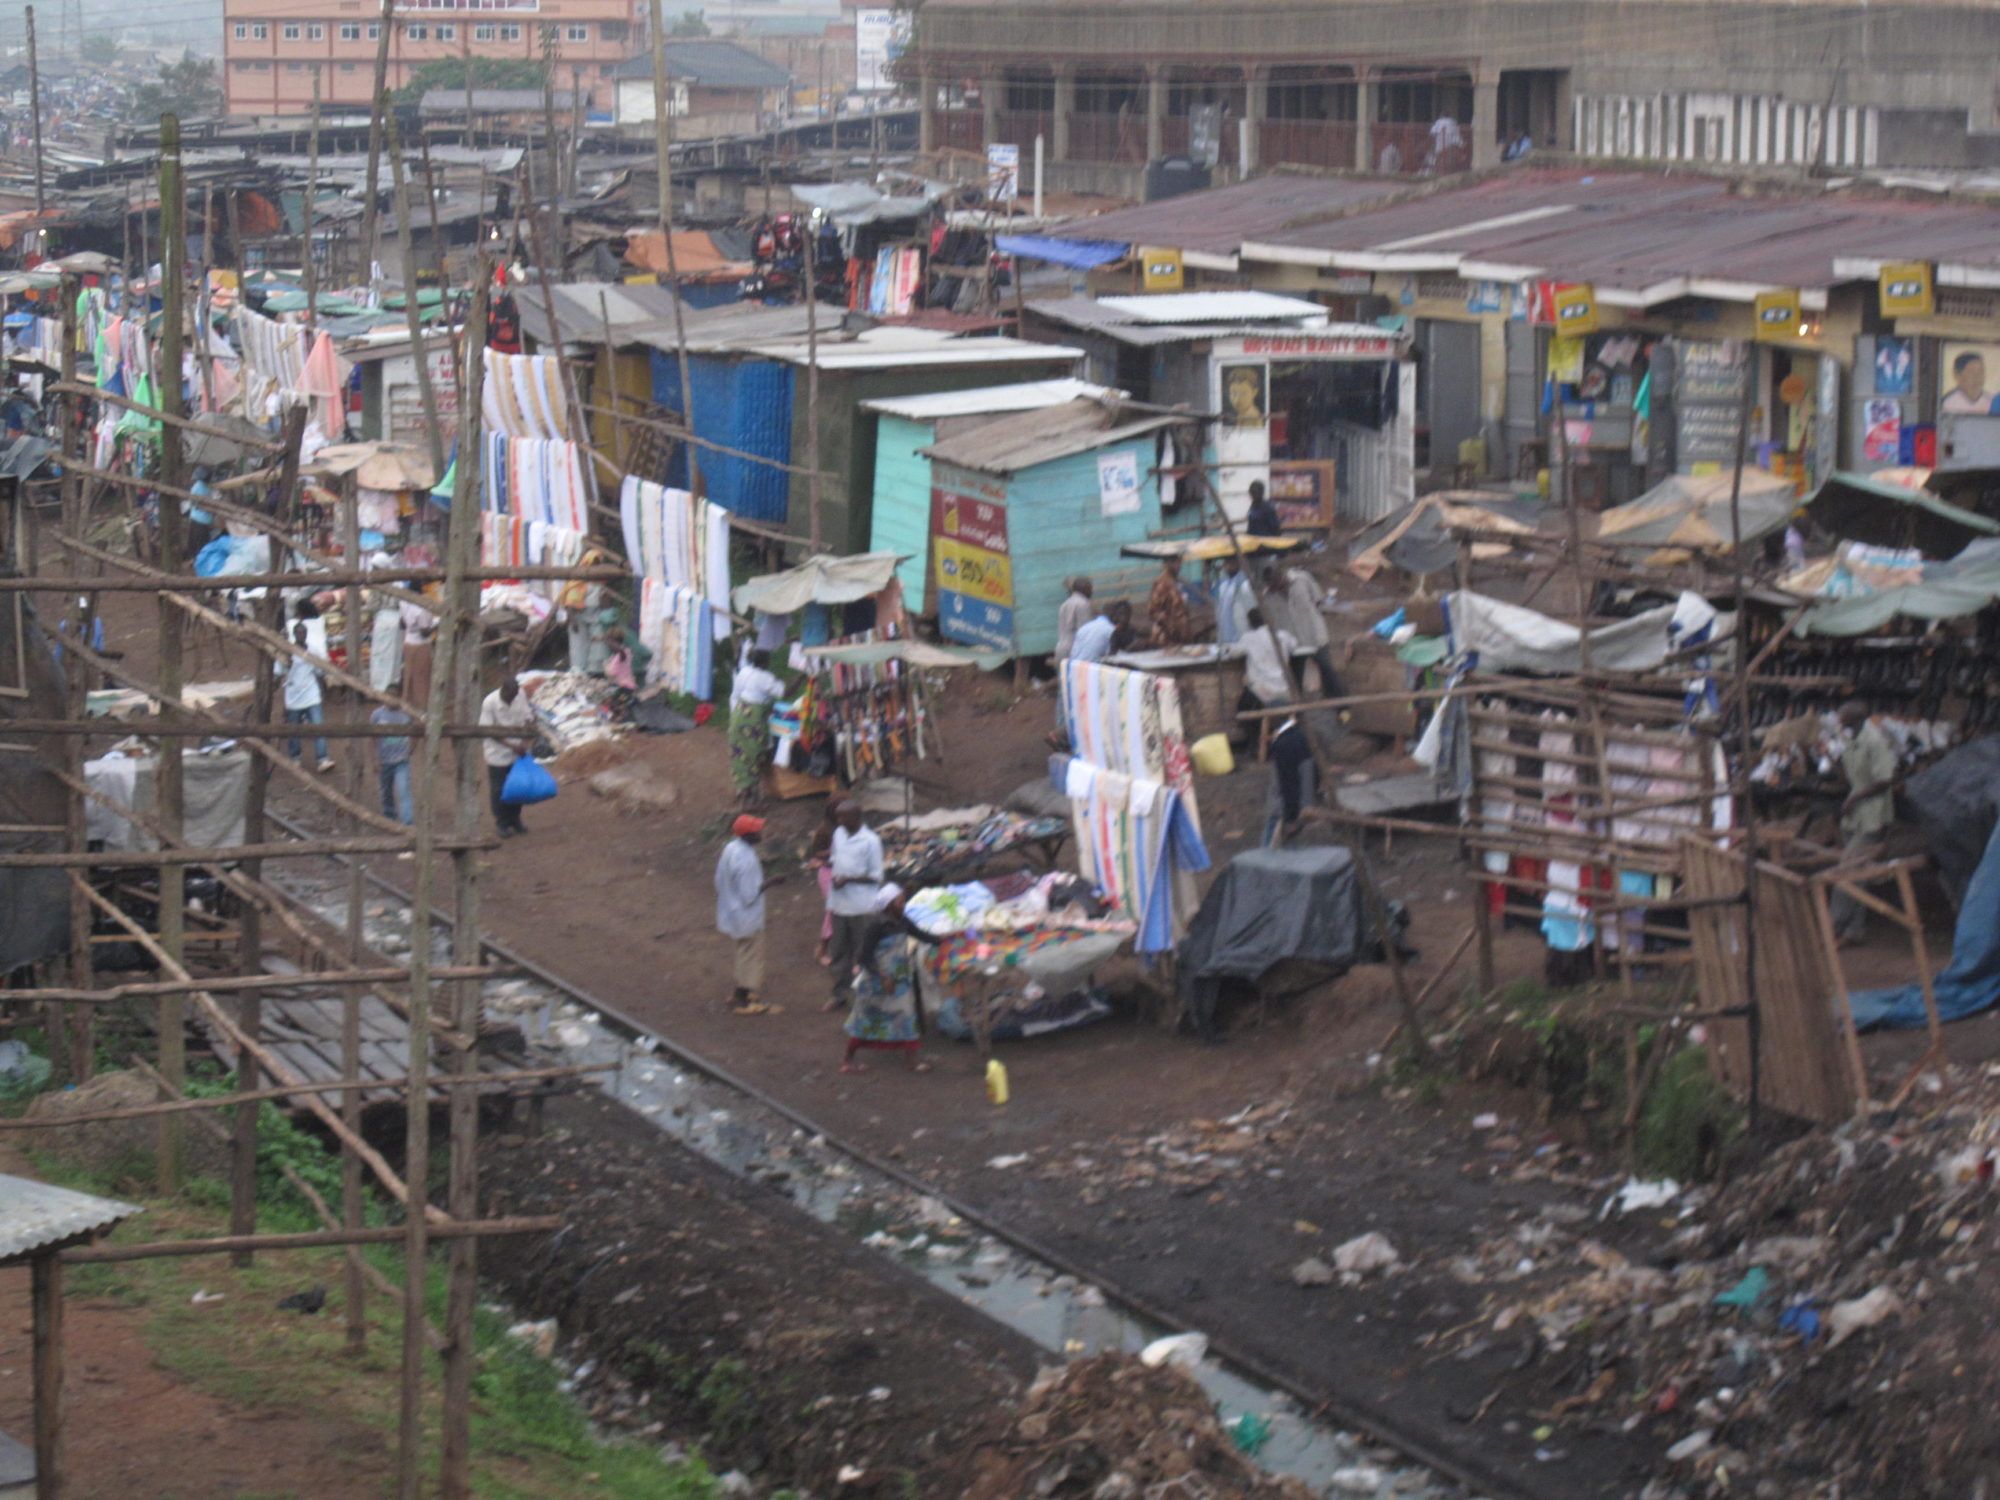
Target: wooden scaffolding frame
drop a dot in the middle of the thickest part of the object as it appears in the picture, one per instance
(438, 1003)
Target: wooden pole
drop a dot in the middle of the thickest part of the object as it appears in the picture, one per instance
(551, 143)
(812, 391)
(76, 685)
(462, 1190)
(313, 1239)
(663, 146)
(411, 316)
(372, 189)
(170, 792)
(204, 354)
(311, 267)
(350, 1009)
(35, 112)
(250, 947)
(1753, 1021)
(45, 1272)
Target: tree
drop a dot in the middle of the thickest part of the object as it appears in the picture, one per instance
(487, 73)
(691, 23)
(187, 88)
(100, 47)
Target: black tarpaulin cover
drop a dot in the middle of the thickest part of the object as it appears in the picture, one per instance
(1267, 906)
(1955, 802)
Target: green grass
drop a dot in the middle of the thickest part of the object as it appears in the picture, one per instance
(530, 1439)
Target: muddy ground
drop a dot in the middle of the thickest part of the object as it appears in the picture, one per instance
(622, 906)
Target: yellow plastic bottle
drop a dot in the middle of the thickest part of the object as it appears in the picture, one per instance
(996, 1081)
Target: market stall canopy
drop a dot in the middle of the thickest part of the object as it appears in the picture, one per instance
(24, 455)
(1896, 508)
(1691, 513)
(13, 283)
(378, 465)
(817, 580)
(1499, 637)
(697, 257)
(224, 438)
(916, 653)
(1964, 585)
(85, 263)
(1419, 539)
(850, 204)
(1209, 548)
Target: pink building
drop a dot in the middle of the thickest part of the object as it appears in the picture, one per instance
(271, 48)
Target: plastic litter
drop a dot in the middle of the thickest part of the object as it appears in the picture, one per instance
(1800, 1318)
(1689, 1446)
(1747, 1292)
(1637, 1196)
(1848, 1318)
(1312, 1272)
(1365, 1254)
(1182, 1350)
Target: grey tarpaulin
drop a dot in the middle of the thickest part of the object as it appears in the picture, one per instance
(34, 916)
(1267, 906)
(216, 785)
(1957, 803)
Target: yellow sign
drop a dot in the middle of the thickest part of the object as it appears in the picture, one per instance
(1778, 313)
(1576, 310)
(1905, 291)
(966, 569)
(1161, 269)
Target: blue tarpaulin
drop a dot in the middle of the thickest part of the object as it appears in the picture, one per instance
(1971, 981)
(741, 404)
(1080, 255)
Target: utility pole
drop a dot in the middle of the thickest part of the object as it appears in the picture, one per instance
(312, 195)
(379, 97)
(35, 111)
(663, 138)
(551, 150)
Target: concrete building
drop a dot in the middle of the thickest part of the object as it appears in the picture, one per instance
(1404, 89)
(713, 88)
(272, 48)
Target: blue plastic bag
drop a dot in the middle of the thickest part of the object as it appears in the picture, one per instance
(213, 558)
(528, 782)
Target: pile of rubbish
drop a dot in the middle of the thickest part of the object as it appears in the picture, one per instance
(1821, 1325)
(1112, 1427)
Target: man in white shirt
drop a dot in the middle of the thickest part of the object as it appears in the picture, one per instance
(1300, 613)
(1097, 638)
(304, 702)
(1073, 616)
(506, 707)
(854, 860)
(1233, 602)
(1265, 652)
(739, 911)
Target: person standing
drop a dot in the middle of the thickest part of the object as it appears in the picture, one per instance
(1301, 615)
(1265, 652)
(1293, 775)
(1073, 616)
(304, 698)
(755, 688)
(854, 859)
(1233, 602)
(1166, 606)
(1095, 637)
(392, 765)
(1263, 519)
(887, 1013)
(419, 624)
(506, 707)
(1869, 764)
(740, 884)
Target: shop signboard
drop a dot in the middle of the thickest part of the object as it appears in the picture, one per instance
(1161, 269)
(1905, 290)
(1576, 310)
(1778, 313)
(880, 35)
(1003, 173)
(974, 570)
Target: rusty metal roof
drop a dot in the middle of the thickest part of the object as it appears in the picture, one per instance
(1215, 223)
(1647, 237)
(1009, 444)
(36, 1215)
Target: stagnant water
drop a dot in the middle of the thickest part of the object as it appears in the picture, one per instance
(1058, 1312)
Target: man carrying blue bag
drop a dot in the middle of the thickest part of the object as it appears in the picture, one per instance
(506, 707)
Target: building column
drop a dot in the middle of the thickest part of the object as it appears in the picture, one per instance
(1485, 119)
(1364, 120)
(926, 111)
(1250, 129)
(1065, 107)
(992, 90)
(1156, 111)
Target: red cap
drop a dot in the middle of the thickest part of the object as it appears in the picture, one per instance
(746, 824)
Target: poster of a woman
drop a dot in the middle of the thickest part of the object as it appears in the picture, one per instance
(1245, 395)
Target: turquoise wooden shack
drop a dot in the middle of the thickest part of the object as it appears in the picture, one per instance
(906, 426)
(1022, 504)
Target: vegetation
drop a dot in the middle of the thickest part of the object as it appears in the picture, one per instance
(487, 73)
(690, 24)
(188, 89)
(99, 47)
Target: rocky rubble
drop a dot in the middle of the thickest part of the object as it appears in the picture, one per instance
(1823, 1324)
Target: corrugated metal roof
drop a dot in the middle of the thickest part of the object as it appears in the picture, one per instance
(38, 1214)
(1098, 316)
(1028, 395)
(1010, 444)
(1215, 223)
(893, 348)
(1646, 237)
(496, 101)
(578, 314)
(1215, 307)
(711, 64)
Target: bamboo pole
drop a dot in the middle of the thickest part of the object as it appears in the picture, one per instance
(167, 416)
(350, 1009)
(312, 1239)
(411, 316)
(169, 782)
(180, 858)
(222, 984)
